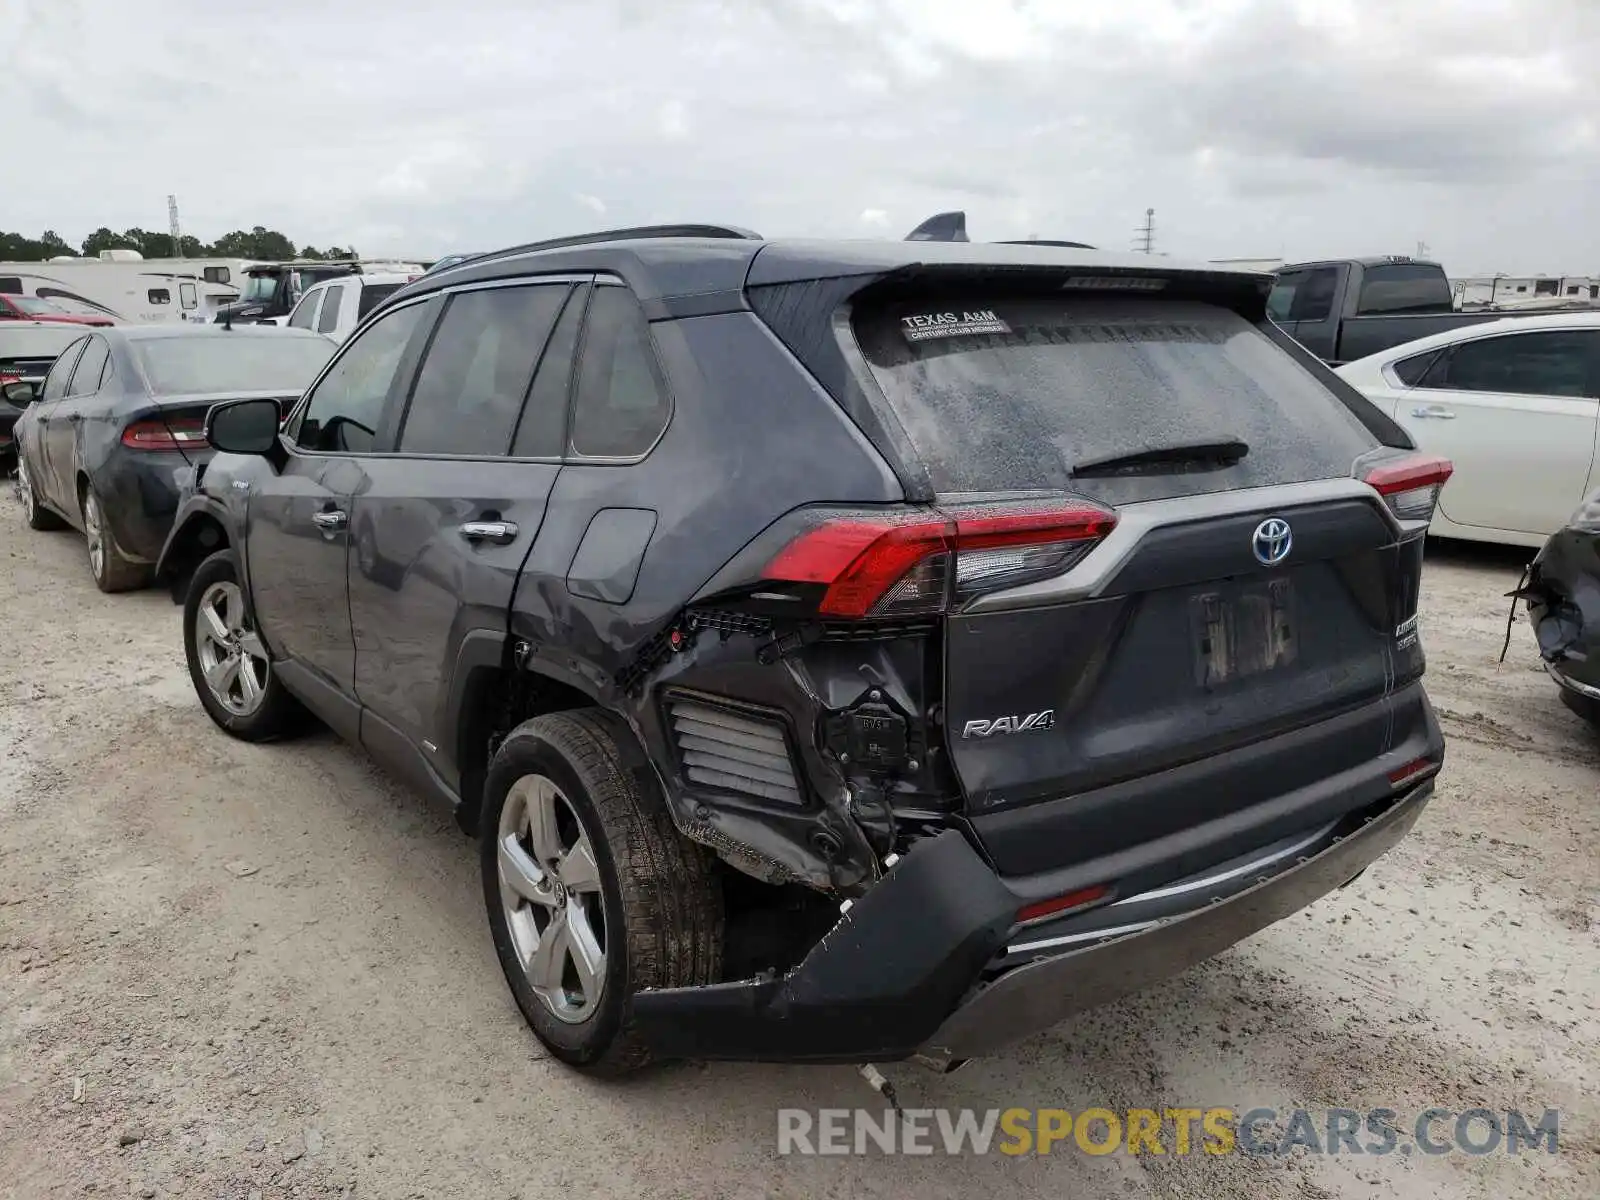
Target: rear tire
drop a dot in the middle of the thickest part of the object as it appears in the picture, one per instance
(111, 571)
(38, 516)
(232, 672)
(643, 909)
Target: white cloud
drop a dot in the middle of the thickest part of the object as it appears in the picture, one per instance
(673, 119)
(1315, 127)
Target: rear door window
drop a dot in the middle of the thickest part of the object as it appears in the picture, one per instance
(1548, 363)
(478, 369)
(332, 299)
(1001, 395)
(86, 375)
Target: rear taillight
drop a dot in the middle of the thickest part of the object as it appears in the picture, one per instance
(165, 435)
(1411, 485)
(912, 563)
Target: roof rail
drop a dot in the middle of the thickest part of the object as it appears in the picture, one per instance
(634, 233)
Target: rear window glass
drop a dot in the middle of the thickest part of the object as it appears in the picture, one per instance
(1010, 395)
(374, 294)
(1404, 287)
(179, 366)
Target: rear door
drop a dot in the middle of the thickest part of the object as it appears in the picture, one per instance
(440, 528)
(1516, 413)
(1240, 596)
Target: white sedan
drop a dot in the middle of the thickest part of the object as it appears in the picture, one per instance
(1513, 403)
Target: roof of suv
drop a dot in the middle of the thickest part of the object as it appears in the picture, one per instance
(678, 267)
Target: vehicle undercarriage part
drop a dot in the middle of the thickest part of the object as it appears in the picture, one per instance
(882, 1086)
(875, 988)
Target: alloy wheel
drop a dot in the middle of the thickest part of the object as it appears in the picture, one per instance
(24, 487)
(92, 530)
(232, 658)
(550, 887)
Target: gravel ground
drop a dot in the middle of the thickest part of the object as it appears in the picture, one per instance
(239, 971)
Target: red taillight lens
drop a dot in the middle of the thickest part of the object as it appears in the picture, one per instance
(165, 435)
(900, 564)
(1056, 905)
(861, 560)
(1410, 485)
(1413, 772)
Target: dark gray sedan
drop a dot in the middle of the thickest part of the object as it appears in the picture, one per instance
(118, 429)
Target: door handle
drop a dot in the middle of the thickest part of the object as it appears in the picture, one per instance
(499, 532)
(1434, 412)
(330, 521)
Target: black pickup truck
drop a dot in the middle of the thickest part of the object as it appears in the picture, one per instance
(1346, 309)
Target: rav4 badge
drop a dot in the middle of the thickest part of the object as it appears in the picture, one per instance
(1024, 724)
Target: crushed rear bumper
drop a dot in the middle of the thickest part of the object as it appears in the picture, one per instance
(1563, 598)
(920, 965)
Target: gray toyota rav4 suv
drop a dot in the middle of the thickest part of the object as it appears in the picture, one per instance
(842, 651)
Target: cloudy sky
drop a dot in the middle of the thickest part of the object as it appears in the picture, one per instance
(1295, 128)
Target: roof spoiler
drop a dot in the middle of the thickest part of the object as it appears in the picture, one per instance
(952, 227)
(941, 227)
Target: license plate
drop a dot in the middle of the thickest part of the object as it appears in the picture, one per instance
(1242, 630)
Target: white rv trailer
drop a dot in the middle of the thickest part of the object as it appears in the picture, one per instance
(124, 285)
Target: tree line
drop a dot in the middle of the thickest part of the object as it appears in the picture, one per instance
(258, 243)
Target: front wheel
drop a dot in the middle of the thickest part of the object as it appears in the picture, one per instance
(592, 892)
(232, 672)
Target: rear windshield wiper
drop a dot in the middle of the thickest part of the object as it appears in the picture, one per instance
(1186, 456)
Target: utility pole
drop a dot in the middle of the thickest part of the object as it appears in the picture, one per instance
(173, 228)
(1146, 239)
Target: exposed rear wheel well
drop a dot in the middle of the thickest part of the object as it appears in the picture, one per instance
(496, 702)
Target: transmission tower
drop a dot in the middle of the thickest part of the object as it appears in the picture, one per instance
(172, 227)
(1145, 241)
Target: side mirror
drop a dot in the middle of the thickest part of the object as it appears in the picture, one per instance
(18, 392)
(244, 426)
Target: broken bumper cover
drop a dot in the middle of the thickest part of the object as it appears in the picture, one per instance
(1563, 595)
(909, 969)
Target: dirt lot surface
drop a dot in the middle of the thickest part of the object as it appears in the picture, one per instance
(239, 971)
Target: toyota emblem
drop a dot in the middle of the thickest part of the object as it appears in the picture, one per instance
(1272, 541)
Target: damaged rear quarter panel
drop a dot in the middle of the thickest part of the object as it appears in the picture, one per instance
(751, 438)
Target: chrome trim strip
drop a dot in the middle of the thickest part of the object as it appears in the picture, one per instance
(1265, 860)
(1572, 685)
(1095, 571)
(1068, 939)
(1177, 889)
